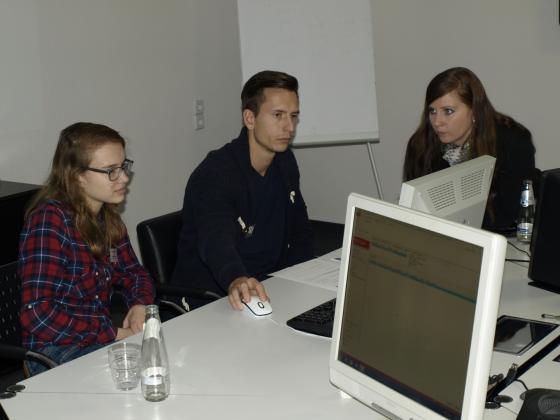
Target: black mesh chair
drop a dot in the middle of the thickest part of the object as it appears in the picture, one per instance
(12, 354)
(327, 236)
(158, 238)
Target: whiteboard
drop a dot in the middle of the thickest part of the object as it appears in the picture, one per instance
(328, 46)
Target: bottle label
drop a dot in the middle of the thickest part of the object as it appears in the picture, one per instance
(151, 328)
(525, 228)
(527, 198)
(153, 375)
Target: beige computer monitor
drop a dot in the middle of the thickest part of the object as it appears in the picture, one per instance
(416, 312)
(457, 193)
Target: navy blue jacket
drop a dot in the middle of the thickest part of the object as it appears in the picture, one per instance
(218, 193)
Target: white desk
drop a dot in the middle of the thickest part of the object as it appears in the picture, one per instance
(524, 301)
(227, 363)
(544, 374)
(224, 363)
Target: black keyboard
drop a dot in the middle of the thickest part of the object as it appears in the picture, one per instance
(318, 320)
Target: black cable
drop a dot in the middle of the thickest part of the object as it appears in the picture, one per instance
(511, 375)
(519, 249)
(514, 260)
(537, 357)
(522, 383)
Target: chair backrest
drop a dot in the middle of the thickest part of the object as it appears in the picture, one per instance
(158, 239)
(327, 236)
(10, 302)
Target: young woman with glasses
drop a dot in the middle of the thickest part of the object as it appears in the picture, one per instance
(74, 249)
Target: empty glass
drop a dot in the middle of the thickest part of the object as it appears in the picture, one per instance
(124, 362)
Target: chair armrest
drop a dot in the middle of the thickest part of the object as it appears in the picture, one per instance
(8, 351)
(173, 306)
(181, 291)
(41, 358)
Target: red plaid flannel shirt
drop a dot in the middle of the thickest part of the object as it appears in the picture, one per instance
(66, 292)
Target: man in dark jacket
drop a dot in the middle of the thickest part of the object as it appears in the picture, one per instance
(243, 213)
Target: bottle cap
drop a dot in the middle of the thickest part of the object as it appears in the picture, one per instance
(152, 309)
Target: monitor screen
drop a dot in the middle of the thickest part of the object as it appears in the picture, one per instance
(416, 312)
(458, 193)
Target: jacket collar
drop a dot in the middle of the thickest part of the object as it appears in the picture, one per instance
(240, 147)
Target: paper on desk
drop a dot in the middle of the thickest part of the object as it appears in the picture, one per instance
(318, 272)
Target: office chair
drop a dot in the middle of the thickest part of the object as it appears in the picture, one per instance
(12, 354)
(327, 236)
(158, 239)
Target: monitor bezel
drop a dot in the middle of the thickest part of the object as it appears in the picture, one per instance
(383, 398)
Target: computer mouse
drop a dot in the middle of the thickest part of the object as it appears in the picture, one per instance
(258, 307)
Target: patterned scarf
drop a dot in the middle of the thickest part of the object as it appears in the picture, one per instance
(455, 154)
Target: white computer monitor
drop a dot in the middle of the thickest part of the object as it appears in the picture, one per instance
(457, 193)
(416, 312)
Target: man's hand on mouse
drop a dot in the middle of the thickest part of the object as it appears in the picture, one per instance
(242, 288)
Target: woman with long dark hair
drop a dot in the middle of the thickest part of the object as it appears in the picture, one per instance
(74, 248)
(459, 123)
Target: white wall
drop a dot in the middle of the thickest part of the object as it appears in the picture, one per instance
(135, 65)
(512, 45)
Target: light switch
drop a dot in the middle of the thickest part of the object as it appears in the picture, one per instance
(199, 122)
(198, 107)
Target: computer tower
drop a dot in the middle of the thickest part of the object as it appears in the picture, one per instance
(544, 268)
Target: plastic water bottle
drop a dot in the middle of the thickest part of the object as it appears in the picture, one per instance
(526, 212)
(155, 363)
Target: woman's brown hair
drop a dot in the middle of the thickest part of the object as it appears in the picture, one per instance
(424, 148)
(76, 145)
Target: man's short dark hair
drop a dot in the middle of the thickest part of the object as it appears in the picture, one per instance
(252, 95)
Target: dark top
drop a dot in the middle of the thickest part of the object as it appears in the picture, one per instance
(259, 254)
(221, 216)
(515, 161)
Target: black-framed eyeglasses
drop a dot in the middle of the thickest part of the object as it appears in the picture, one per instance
(114, 173)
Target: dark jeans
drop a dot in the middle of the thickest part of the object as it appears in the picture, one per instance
(60, 354)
